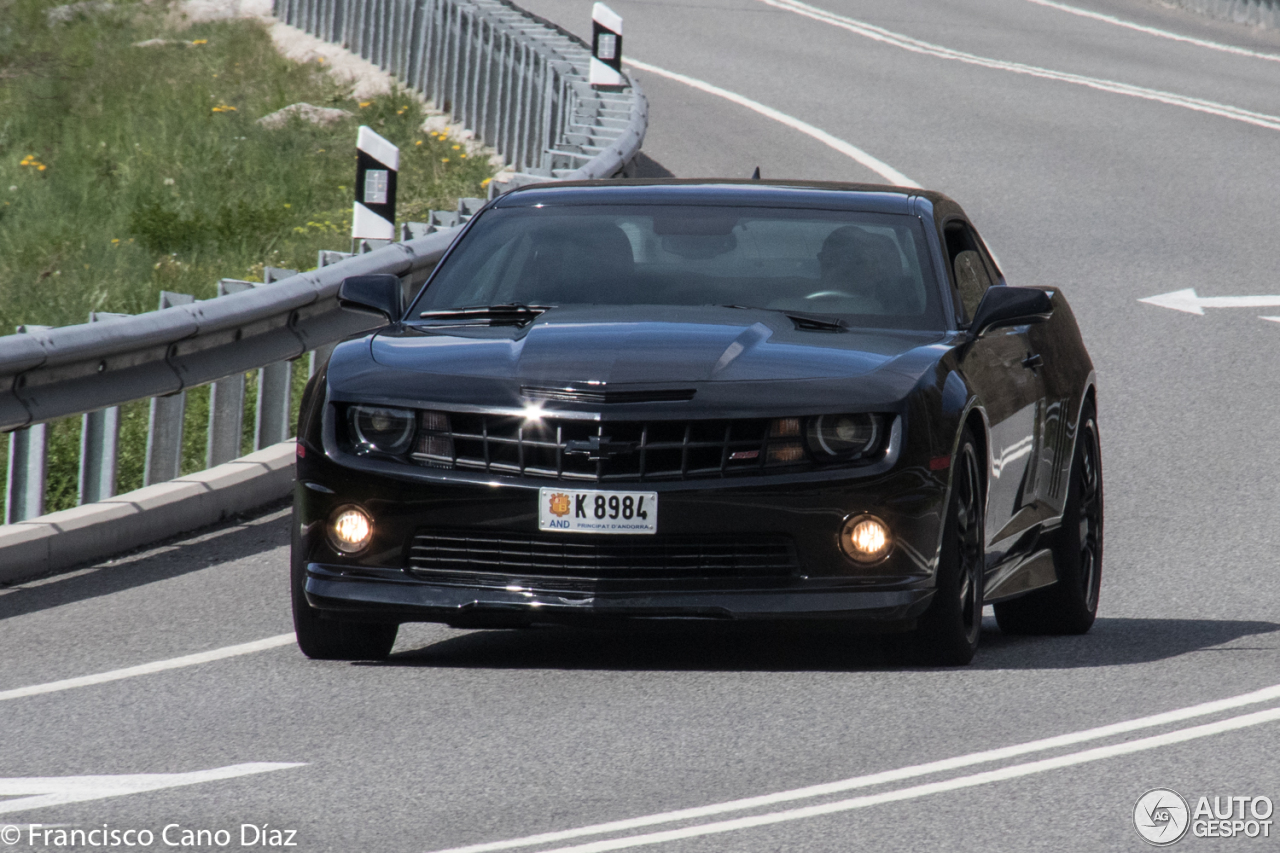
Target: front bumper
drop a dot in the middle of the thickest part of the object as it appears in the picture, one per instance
(339, 592)
(384, 582)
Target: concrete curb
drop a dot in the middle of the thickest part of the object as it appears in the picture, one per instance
(1256, 13)
(68, 538)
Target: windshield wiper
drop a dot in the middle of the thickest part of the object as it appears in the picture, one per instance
(508, 314)
(804, 322)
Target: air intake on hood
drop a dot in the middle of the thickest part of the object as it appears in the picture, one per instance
(601, 394)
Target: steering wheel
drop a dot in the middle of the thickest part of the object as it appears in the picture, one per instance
(827, 293)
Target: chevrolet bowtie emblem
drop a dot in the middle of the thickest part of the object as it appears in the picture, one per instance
(599, 447)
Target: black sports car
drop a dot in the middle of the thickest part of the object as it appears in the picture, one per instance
(705, 400)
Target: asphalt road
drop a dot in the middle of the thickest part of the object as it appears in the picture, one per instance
(1107, 191)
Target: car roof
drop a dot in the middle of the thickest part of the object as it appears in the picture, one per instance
(826, 195)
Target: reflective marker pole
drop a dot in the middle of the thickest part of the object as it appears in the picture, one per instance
(606, 47)
(377, 162)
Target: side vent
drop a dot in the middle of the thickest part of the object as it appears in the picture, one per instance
(1060, 445)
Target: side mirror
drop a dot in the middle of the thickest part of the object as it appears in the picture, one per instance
(1003, 305)
(378, 293)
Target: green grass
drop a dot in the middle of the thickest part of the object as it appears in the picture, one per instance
(128, 170)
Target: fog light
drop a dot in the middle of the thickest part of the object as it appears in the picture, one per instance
(350, 530)
(865, 539)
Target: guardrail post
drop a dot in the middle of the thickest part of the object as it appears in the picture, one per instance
(99, 443)
(164, 433)
(275, 382)
(226, 401)
(28, 465)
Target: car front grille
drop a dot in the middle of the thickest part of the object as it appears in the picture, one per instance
(566, 449)
(494, 559)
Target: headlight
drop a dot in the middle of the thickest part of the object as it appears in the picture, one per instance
(381, 429)
(832, 437)
(350, 529)
(865, 539)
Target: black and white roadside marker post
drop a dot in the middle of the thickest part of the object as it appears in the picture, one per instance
(606, 48)
(377, 162)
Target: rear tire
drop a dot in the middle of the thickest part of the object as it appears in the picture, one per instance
(947, 634)
(1070, 605)
(331, 639)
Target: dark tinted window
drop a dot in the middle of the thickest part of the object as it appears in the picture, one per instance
(968, 268)
(868, 268)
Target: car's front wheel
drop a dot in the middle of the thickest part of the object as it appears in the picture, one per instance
(947, 634)
(1070, 605)
(331, 639)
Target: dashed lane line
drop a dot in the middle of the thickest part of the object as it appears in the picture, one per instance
(1266, 694)
(925, 48)
(148, 668)
(851, 151)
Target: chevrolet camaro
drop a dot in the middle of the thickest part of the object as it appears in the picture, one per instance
(709, 400)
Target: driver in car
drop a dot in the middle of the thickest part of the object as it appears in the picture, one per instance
(865, 269)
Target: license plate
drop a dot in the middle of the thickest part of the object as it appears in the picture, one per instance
(593, 511)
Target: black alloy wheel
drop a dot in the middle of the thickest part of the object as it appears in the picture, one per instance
(947, 634)
(1071, 605)
(331, 639)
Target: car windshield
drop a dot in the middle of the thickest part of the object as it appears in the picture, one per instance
(868, 269)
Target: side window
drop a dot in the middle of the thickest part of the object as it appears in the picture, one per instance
(968, 271)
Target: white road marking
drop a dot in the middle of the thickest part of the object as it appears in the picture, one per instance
(1003, 774)
(1272, 319)
(1120, 22)
(855, 153)
(1266, 694)
(928, 49)
(148, 668)
(43, 791)
(1188, 302)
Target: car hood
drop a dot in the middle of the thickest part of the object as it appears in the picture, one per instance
(695, 348)
(605, 345)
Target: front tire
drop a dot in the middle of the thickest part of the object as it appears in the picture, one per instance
(331, 639)
(1070, 605)
(947, 634)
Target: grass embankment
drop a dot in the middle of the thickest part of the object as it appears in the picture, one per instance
(128, 170)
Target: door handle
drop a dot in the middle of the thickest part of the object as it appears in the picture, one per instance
(1032, 361)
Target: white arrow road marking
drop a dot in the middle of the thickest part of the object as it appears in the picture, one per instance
(928, 49)
(1188, 301)
(1272, 319)
(42, 791)
(880, 167)
(148, 668)
(1267, 694)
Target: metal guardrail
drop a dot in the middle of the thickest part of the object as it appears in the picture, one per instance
(517, 80)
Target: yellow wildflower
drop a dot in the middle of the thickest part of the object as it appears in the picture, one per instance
(364, 104)
(485, 182)
(200, 41)
(442, 160)
(419, 142)
(116, 240)
(456, 147)
(40, 167)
